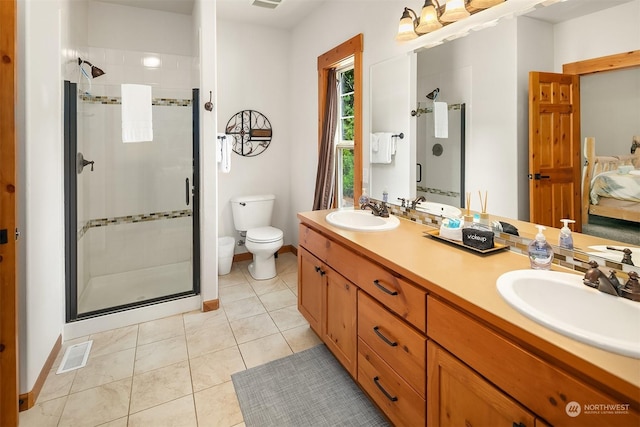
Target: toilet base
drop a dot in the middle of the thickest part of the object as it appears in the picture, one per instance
(263, 269)
(264, 263)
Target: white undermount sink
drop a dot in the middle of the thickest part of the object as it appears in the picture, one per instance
(361, 220)
(439, 209)
(560, 301)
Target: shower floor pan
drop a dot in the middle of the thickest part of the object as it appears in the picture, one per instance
(118, 289)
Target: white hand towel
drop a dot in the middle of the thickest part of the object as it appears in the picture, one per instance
(385, 146)
(226, 153)
(137, 120)
(441, 120)
(219, 138)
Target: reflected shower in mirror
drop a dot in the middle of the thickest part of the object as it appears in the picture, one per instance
(440, 161)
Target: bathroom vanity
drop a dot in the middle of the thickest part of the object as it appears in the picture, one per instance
(421, 327)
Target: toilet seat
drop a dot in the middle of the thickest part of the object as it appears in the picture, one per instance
(264, 235)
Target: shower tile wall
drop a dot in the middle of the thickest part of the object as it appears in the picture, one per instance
(134, 179)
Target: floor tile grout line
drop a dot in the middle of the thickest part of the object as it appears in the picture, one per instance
(288, 270)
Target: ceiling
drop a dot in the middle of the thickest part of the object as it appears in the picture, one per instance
(290, 12)
(285, 16)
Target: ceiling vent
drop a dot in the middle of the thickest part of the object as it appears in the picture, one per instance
(269, 4)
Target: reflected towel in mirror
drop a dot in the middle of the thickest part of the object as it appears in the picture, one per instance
(441, 120)
(374, 143)
(137, 120)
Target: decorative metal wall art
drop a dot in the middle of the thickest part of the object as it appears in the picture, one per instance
(251, 132)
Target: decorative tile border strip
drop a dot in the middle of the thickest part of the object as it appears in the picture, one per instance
(130, 219)
(563, 257)
(438, 191)
(116, 100)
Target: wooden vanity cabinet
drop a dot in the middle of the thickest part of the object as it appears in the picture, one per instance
(310, 287)
(329, 302)
(425, 361)
(509, 370)
(458, 396)
(339, 332)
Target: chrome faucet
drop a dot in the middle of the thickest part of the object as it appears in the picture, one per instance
(377, 209)
(417, 200)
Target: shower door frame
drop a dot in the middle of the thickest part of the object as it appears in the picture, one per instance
(70, 93)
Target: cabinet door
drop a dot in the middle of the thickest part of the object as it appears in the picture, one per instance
(340, 332)
(311, 278)
(460, 397)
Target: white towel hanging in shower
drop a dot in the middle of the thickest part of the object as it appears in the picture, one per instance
(137, 119)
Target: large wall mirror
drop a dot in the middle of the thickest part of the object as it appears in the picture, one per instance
(488, 71)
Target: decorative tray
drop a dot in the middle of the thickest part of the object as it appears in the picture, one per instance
(436, 235)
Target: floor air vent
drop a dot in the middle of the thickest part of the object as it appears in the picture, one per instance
(269, 4)
(75, 357)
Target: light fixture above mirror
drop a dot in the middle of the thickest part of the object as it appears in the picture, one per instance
(434, 16)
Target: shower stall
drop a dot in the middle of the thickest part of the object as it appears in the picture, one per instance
(131, 209)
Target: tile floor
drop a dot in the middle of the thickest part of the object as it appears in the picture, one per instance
(177, 371)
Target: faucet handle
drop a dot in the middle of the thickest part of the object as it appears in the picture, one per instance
(631, 289)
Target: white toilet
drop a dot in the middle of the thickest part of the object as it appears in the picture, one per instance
(252, 218)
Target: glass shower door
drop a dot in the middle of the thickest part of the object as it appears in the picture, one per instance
(135, 208)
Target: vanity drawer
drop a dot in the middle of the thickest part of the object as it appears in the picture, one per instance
(397, 399)
(534, 383)
(398, 295)
(337, 256)
(314, 242)
(398, 344)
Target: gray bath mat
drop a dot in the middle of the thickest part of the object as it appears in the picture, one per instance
(309, 388)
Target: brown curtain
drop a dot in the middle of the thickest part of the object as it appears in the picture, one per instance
(325, 176)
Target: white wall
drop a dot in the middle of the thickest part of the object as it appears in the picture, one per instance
(41, 246)
(254, 74)
(205, 27)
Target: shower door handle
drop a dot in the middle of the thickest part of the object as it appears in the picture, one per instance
(186, 191)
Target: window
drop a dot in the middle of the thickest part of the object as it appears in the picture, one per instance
(344, 138)
(346, 60)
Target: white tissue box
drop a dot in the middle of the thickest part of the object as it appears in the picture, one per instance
(451, 233)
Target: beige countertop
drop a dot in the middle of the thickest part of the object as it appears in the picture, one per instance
(468, 280)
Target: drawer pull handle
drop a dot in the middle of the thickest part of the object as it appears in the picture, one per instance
(320, 270)
(386, 393)
(518, 424)
(383, 338)
(383, 289)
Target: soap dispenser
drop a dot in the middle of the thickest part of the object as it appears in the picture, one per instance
(540, 251)
(364, 199)
(566, 239)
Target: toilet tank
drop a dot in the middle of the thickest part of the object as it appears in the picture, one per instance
(252, 211)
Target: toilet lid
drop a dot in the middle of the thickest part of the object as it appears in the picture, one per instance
(264, 234)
